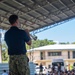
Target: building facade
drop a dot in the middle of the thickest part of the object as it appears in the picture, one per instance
(45, 54)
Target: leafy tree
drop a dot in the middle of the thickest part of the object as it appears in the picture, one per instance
(73, 42)
(67, 43)
(4, 52)
(51, 42)
(4, 55)
(64, 43)
(39, 43)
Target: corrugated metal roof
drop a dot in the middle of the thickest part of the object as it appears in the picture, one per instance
(35, 14)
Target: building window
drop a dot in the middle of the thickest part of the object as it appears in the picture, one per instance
(41, 56)
(54, 53)
(73, 54)
(68, 54)
(49, 66)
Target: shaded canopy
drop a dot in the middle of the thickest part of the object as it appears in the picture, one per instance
(35, 14)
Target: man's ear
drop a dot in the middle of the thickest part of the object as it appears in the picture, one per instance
(16, 21)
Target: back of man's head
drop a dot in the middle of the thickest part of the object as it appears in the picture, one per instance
(4, 70)
(12, 19)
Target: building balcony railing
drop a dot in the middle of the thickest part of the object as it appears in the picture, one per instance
(52, 57)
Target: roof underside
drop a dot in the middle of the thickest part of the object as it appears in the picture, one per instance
(35, 14)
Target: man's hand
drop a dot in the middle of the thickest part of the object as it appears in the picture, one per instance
(27, 31)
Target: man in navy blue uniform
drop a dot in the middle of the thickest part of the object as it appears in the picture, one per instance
(15, 39)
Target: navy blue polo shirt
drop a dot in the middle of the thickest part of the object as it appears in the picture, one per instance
(15, 39)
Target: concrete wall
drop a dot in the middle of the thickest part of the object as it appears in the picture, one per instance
(71, 54)
(35, 55)
(65, 54)
(47, 60)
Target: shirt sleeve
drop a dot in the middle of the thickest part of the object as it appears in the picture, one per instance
(26, 37)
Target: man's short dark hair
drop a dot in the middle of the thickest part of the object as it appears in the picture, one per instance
(13, 18)
(4, 70)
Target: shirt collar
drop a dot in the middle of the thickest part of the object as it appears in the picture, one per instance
(14, 27)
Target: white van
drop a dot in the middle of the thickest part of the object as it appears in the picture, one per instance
(55, 62)
(37, 70)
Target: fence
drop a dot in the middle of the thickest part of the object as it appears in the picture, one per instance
(5, 66)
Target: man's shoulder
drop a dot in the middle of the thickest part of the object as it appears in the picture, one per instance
(7, 32)
(22, 31)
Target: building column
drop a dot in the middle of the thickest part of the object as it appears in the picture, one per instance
(71, 54)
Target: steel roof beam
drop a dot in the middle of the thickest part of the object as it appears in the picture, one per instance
(2, 0)
(47, 16)
(32, 9)
(69, 8)
(42, 6)
(13, 13)
(21, 11)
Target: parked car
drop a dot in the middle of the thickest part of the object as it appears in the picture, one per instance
(74, 66)
(37, 70)
(55, 62)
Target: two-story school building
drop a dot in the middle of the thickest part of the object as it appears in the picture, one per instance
(45, 54)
